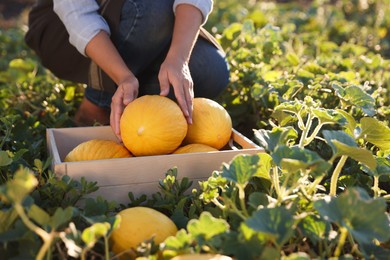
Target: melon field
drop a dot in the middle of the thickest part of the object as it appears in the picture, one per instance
(309, 83)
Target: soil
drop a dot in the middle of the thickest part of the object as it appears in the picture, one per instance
(14, 12)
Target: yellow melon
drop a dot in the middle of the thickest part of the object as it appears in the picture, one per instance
(97, 149)
(198, 256)
(152, 125)
(194, 148)
(139, 224)
(211, 124)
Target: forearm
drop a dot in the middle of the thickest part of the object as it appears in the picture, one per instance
(103, 52)
(186, 29)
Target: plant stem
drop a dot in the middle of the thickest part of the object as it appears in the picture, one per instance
(312, 188)
(106, 248)
(376, 189)
(340, 244)
(305, 132)
(335, 175)
(218, 204)
(46, 237)
(313, 135)
(241, 195)
(275, 178)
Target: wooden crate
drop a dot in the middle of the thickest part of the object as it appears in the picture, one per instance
(140, 175)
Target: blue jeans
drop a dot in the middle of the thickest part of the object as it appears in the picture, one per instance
(145, 33)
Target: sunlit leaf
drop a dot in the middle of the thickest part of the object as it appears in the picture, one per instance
(358, 97)
(329, 116)
(375, 132)
(351, 122)
(292, 58)
(92, 234)
(364, 217)
(314, 228)
(343, 144)
(269, 140)
(294, 158)
(241, 169)
(207, 226)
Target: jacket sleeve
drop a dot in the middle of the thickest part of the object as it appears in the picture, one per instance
(205, 6)
(82, 21)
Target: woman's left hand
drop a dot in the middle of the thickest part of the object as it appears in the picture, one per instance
(176, 73)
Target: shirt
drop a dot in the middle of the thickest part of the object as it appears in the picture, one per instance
(83, 22)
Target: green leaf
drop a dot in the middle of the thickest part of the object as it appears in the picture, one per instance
(257, 199)
(351, 123)
(39, 215)
(178, 242)
(61, 216)
(329, 116)
(292, 159)
(343, 144)
(292, 58)
(382, 167)
(364, 217)
(264, 166)
(314, 228)
(283, 118)
(19, 187)
(231, 32)
(358, 97)
(207, 226)
(7, 219)
(241, 169)
(269, 140)
(92, 234)
(375, 132)
(292, 107)
(5, 159)
(297, 256)
(272, 75)
(277, 224)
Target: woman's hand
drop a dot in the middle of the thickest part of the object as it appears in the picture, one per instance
(174, 70)
(176, 73)
(126, 92)
(112, 63)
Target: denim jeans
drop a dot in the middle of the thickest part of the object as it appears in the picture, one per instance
(145, 33)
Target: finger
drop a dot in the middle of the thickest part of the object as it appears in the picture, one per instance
(181, 100)
(116, 111)
(189, 95)
(129, 93)
(164, 84)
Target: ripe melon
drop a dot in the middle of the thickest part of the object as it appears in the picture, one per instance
(97, 149)
(152, 125)
(198, 256)
(139, 224)
(194, 148)
(211, 124)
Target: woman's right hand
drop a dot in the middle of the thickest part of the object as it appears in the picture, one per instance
(126, 92)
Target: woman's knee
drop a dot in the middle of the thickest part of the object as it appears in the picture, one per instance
(209, 69)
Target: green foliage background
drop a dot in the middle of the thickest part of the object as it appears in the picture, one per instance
(310, 83)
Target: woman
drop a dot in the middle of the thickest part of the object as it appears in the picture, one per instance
(127, 48)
